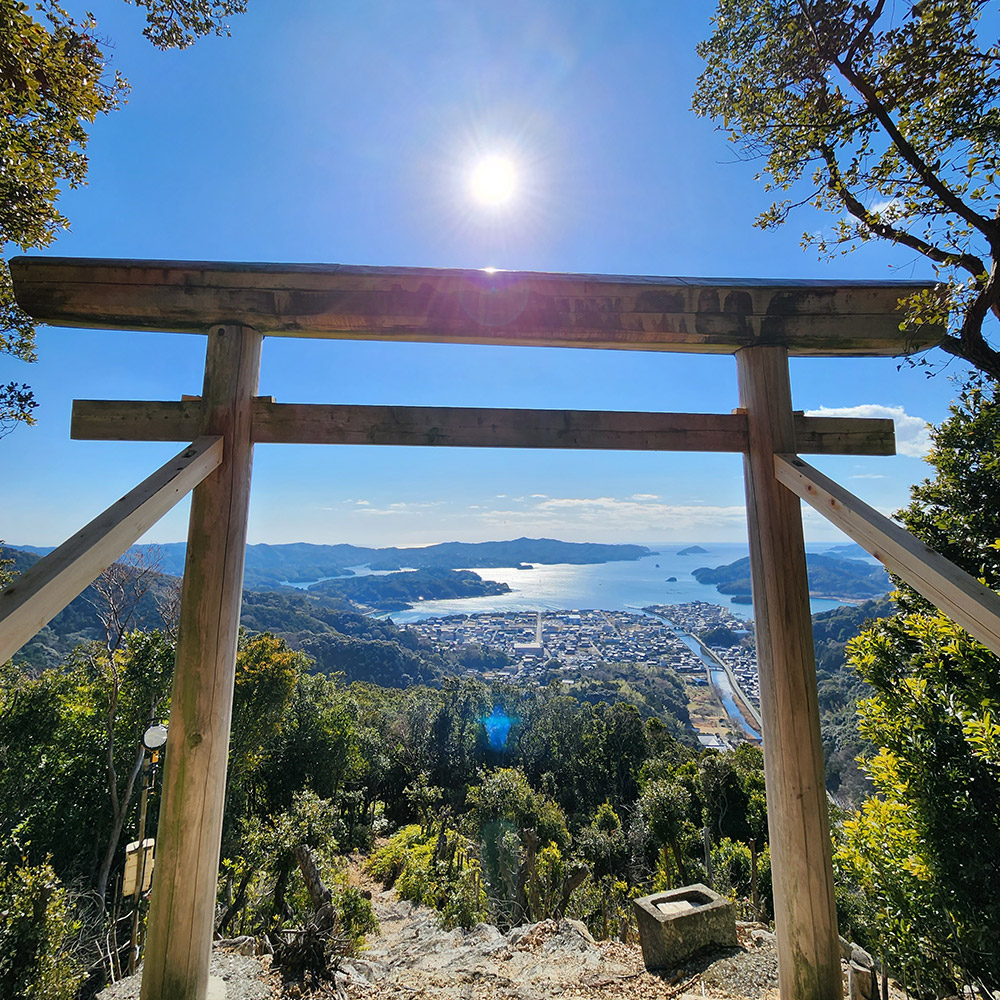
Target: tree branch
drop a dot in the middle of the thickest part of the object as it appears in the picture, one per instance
(865, 31)
(977, 353)
(836, 185)
(948, 198)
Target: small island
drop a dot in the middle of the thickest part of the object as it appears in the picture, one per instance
(693, 550)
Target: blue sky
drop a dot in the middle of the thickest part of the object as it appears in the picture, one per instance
(344, 132)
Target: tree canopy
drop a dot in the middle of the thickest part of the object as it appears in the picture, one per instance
(884, 115)
(55, 80)
(925, 849)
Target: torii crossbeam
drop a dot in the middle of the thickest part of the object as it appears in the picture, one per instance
(235, 305)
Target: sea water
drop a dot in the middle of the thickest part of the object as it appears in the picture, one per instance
(625, 585)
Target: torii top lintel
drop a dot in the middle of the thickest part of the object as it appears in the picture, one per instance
(523, 308)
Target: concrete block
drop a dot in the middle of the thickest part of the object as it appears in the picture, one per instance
(677, 924)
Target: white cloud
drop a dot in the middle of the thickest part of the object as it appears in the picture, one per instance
(912, 434)
(626, 514)
(399, 508)
(645, 496)
(868, 475)
(890, 208)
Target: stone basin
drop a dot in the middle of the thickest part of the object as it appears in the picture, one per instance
(677, 924)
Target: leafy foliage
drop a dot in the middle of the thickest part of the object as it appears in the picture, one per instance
(924, 852)
(840, 687)
(887, 117)
(440, 870)
(957, 513)
(563, 818)
(54, 83)
(927, 848)
(36, 930)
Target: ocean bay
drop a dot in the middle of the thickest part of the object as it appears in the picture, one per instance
(625, 585)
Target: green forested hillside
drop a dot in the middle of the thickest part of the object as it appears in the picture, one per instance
(596, 800)
(829, 576)
(324, 625)
(79, 621)
(269, 566)
(840, 687)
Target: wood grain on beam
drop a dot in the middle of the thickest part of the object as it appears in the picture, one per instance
(960, 596)
(500, 428)
(844, 435)
(701, 315)
(469, 427)
(798, 827)
(189, 833)
(37, 596)
(135, 420)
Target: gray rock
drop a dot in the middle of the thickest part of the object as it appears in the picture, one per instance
(580, 927)
(862, 958)
(359, 969)
(861, 982)
(762, 938)
(243, 945)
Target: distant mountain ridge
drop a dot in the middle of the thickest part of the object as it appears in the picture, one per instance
(325, 624)
(305, 562)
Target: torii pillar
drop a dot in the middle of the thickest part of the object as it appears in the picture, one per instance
(798, 822)
(189, 837)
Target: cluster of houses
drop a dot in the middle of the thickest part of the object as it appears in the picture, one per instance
(699, 618)
(543, 644)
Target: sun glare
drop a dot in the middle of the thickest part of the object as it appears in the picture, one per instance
(493, 180)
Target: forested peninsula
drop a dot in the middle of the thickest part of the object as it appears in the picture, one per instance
(829, 576)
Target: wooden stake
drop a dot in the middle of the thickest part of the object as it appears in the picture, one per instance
(805, 917)
(35, 598)
(182, 905)
(958, 594)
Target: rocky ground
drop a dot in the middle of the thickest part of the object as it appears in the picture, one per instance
(414, 958)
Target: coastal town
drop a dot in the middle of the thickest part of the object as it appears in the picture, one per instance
(705, 644)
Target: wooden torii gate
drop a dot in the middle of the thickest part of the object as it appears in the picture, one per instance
(235, 305)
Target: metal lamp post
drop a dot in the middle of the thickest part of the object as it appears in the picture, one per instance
(152, 739)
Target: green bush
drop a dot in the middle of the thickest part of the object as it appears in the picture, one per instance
(605, 905)
(436, 870)
(386, 864)
(36, 928)
(357, 918)
(731, 868)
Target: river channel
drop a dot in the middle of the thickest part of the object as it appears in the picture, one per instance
(720, 681)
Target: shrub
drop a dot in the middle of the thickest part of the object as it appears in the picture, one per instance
(35, 932)
(436, 870)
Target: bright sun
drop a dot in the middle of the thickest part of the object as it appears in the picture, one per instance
(493, 180)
